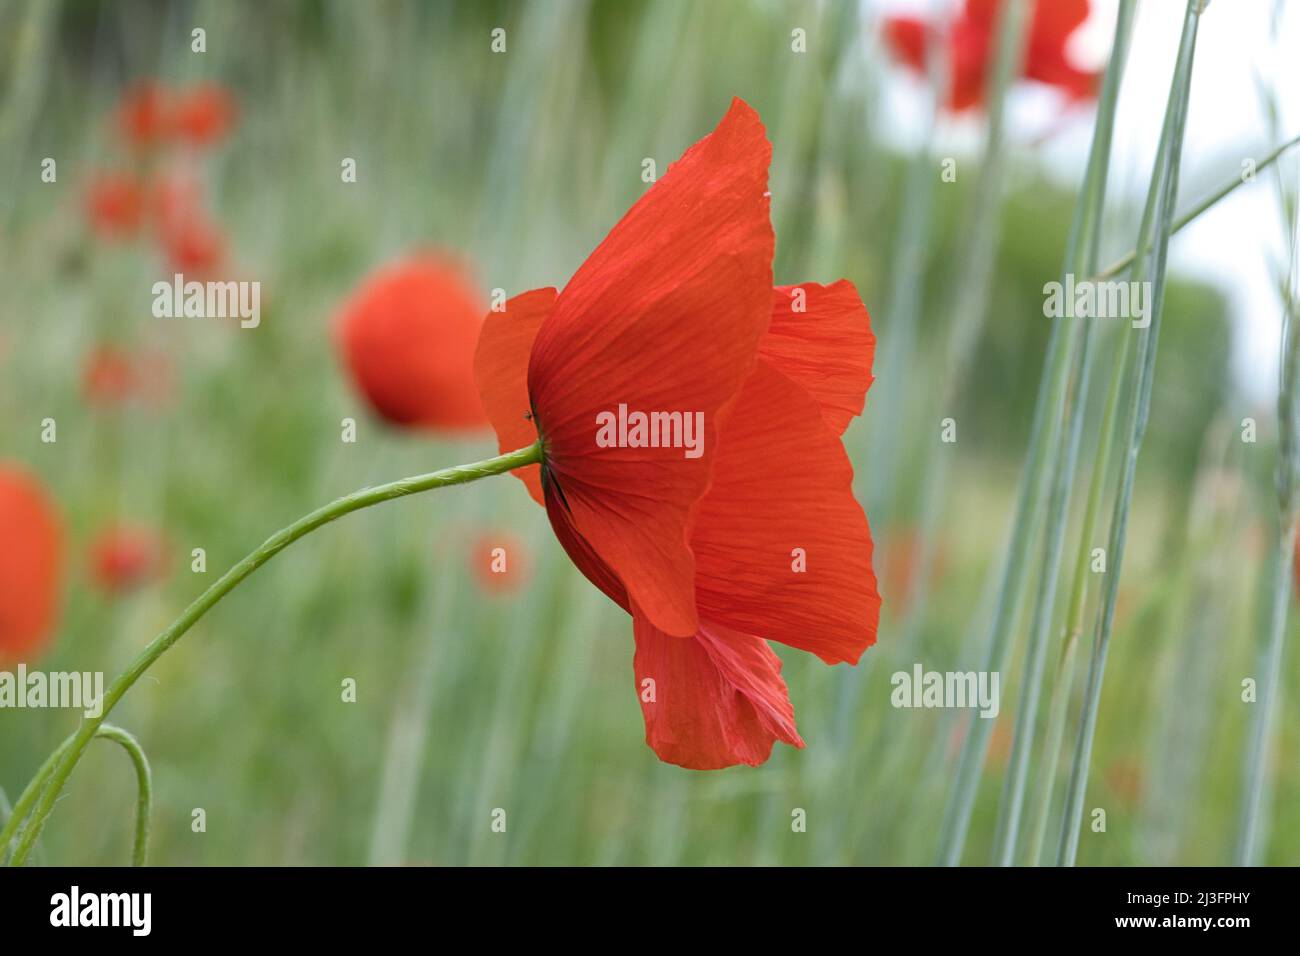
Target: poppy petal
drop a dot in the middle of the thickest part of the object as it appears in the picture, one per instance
(970, 45)
(782, 548)
(717, 698)
(821, 338)
(501, 370)
(1058, 18)
(909, 38)
(583, 556)
(1055, 70)
(665, 315)
(407, 336)
(30, 566)
(1054, 22)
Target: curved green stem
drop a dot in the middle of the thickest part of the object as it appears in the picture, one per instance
(144, 787)
(27, 798)
(60, 764)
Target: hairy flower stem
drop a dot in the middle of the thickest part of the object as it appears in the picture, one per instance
(144, 787)
(42, 793)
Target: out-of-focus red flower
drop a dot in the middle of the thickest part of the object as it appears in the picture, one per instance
(112, 376)
(183, 227)
(971, 39)
(143, 115)
(1126, 779)
(195, 247)
(123, 558)
(115, 204)
(175, 197)
(748, 531)
(191, 241)
(155, 378)
(31, 560)
(108, 377)
(202, 114)
(1295, 561)
(407, 337)
(499, 561)
(1000, 743)
(902, 563)
(968, 42)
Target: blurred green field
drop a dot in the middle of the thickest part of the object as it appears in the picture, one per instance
(470, 700)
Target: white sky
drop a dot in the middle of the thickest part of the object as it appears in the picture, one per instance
(1239, 245)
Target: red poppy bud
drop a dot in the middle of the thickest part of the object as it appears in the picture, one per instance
(30, 565)
(407, 337)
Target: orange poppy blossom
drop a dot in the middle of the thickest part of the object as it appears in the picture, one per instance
(113, 376)
(407, 337)
(150, 114)
(758, 536)
(108, 377)
(143, 115)
(124, 557)
(195, 247)
(1295, 559)
(115, 205)
(499, 561)
(971, 40)
(185, 230)
(31, 563)
(203, 114)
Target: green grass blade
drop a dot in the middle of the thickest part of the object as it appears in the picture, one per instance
(1080, 259)
(1257, 766)
(1155, 232)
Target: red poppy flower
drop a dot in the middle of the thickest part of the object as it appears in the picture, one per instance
(108, 378)
(30, 565)
(902, 564)
(194, 247)
(1295, 560)
(115, 205)
(499, 561)
(1126, 778)
(202, 115)
(175, 196)
(154, 378)
(143, 115)
(750, 532)
(407, 337)
(124, 558)
(191, 241)
(971, 39)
